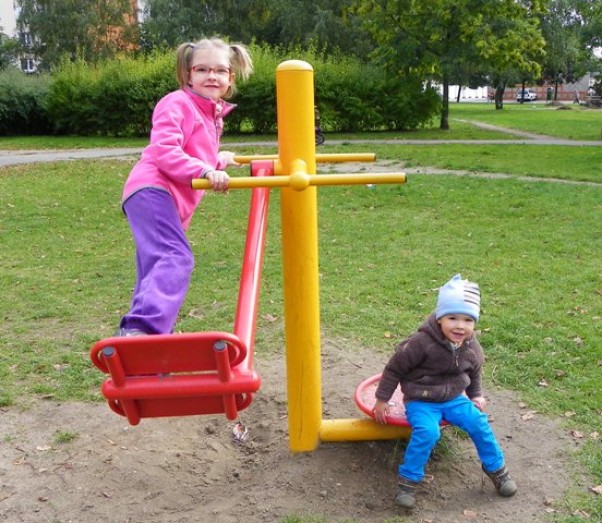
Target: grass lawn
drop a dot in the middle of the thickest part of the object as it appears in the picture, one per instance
(565, 121)
(535, 247)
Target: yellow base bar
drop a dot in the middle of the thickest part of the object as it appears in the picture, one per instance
(360, 430)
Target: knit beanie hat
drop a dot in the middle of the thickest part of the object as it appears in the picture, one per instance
(459, 296)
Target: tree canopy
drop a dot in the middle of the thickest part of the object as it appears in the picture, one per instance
(283, 23)
(465, 42)
(437, 40)
(85, 29)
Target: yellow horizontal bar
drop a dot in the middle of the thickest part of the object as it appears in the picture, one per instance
(358, 178)
(300, 181)
(320, 158)
(248, 159)
(351, 157)
(360, 430)
(245, 182)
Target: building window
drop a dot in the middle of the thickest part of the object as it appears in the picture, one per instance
(25, 39)
(28, 65)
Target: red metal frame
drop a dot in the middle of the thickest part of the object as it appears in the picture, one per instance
(193, 373)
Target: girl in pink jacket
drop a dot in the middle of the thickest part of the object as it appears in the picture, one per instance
(158, 199)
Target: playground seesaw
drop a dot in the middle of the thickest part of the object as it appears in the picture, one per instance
(212, 372)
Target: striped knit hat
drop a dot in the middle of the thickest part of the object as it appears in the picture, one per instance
(459, 296)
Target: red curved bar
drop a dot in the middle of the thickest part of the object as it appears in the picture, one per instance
(245, 321)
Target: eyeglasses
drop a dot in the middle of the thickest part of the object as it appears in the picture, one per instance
(205, 70)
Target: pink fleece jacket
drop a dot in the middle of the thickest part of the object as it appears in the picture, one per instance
(184, 144)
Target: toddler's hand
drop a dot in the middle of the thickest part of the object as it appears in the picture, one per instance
(479, 402)
(219, 180)
(381, 411)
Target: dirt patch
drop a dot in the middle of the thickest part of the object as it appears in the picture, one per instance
(191, 469)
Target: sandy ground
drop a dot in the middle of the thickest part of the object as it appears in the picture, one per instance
(192, 469)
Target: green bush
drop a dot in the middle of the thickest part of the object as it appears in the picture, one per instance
(256, 98)
(70, 104)
(21, 103)
(116, 98)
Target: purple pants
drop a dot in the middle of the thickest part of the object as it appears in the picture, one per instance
(164, 262)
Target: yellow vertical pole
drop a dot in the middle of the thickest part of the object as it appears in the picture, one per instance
(296, 141)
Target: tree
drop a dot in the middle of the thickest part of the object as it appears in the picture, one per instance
(87, 29)
(9, 50)
(325, 25)
(590, 13)
(564, 60)
(516, 47)
(430, 38)
(590, 35)
(168, 23)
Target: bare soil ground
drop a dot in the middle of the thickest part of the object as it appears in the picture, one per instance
(191, 469)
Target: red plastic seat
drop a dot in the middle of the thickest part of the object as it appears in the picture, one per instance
(176, 375)
(365, 400)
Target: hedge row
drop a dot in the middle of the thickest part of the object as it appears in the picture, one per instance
(116, 98)
(22, 104)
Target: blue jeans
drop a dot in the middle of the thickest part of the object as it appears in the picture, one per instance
(425, 417)
(164, 262)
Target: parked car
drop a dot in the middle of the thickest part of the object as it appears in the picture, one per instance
(527, 95)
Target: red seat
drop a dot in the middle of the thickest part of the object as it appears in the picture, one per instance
(365, 400)
(176, 375)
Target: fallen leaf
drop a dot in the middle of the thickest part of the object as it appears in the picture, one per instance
(597, 489)
(43, 448)
(470, 514)
(569, 414)
(195, 313)
(577, 434)
(543, 383)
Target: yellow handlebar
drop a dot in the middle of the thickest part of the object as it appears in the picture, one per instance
(300, 181)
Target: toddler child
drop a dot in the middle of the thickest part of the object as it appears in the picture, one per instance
(439, 371)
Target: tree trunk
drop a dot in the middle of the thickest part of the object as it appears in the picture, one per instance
(499, 95)
(444, 125)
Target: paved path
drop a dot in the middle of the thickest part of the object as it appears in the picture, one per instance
(34, 156)
(522, 138)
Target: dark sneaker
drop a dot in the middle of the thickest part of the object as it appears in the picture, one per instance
(502, 481)
(406, 494)
(123, 332)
